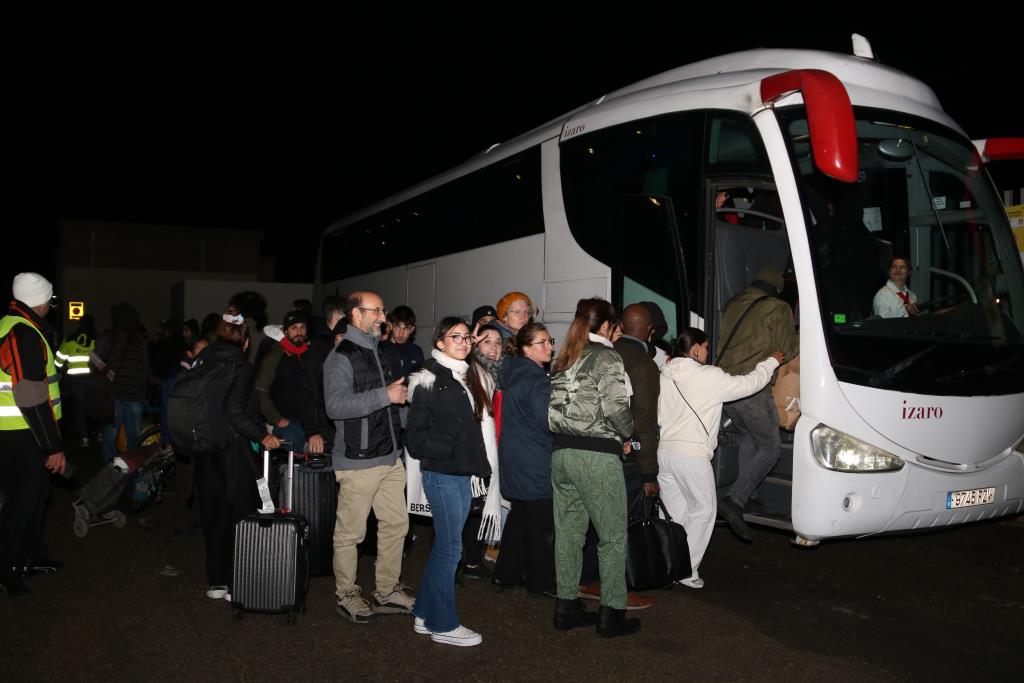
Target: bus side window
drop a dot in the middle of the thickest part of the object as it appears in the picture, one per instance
(754, 238)
(646, 261)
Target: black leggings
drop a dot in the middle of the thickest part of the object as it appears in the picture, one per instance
(226, 487)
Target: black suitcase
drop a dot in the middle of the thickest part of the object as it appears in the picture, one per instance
(271, 565)
(315, 497)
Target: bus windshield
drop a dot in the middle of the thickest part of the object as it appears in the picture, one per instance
(922, 201)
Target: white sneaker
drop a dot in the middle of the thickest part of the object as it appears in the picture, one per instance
(217, 592)
(419, 627)
(459, 636)
(691, 582)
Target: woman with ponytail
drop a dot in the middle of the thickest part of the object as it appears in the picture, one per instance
(590, 417)
(690, 414)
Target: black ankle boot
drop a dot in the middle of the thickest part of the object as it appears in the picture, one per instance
(613, 622)
(570, 614)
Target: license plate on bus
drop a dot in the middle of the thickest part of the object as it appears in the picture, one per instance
(966, 499)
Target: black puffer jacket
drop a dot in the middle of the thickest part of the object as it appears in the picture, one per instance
(442, 432)
(241, 407)
(242, 414)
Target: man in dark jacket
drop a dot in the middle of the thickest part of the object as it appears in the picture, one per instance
(641, 466)
(404, 355)
(755, 323)
(30, 441)
(362, 399)
(125, 356)
(289, 399)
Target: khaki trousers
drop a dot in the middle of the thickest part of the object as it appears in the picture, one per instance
(381, 489)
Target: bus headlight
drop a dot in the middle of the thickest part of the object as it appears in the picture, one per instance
(841, 452)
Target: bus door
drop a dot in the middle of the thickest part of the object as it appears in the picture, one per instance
(746, 232)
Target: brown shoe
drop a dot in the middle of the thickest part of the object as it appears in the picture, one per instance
(636, 601)
(590, 591)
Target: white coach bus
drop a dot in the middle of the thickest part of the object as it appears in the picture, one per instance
(832, 165)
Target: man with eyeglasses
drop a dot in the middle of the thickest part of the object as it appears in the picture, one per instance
(30, 442)
(362, 397)
(404, 356)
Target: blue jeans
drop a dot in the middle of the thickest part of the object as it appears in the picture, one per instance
(449, 497)
(129, 414)
(293, 434)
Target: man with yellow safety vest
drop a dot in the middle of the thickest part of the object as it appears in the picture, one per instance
(30, 441)
(73, 358)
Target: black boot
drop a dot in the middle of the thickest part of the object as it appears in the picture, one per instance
(613, 622)
(733, 515)
(570, 614)
(12, 584)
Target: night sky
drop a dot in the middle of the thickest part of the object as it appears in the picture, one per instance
(286, 122)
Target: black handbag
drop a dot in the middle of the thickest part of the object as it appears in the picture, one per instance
(657, 554)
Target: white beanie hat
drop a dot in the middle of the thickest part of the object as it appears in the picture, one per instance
(32, 288)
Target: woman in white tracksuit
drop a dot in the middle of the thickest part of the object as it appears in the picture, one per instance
(690, 413)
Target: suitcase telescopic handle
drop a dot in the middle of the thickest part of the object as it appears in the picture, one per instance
(289, 476)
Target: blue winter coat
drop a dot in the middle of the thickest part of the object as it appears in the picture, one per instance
(524, 453)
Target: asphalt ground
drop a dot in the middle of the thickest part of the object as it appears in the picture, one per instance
(937, 606)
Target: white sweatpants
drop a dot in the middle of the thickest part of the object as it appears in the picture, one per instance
(688, 491)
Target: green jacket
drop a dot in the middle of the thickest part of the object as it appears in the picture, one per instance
(767, 327)
(589, 399)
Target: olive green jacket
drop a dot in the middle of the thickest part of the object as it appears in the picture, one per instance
(589, 399)
(768, 327)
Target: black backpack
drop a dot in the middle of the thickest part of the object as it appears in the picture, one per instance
(195, 409)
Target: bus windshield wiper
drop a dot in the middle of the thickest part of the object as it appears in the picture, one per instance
(931, 197)
(907, 362)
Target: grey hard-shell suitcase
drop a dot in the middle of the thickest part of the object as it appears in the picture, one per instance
(271, 564)
(316, 499)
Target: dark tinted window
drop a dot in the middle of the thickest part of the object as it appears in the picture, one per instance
(495, 204)
(625, 189)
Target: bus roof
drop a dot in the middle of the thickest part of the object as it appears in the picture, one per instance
(731, 81)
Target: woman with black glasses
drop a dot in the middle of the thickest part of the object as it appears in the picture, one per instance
(445, 433)
(528, 540)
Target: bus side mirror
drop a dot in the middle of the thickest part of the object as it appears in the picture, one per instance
(829, 118)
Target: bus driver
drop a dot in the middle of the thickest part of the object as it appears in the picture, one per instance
(894, 299)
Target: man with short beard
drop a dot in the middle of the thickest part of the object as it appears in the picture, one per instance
(362, 398)
(286, 386)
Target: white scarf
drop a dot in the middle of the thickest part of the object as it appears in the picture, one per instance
(490, 523)
(598, 339)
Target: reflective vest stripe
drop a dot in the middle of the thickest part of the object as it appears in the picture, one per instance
(75, 355)
(8, 411)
